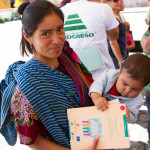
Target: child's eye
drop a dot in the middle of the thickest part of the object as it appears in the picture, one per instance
(124, 83)
(135, 89)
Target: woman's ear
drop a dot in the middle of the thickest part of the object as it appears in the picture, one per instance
(26, 37)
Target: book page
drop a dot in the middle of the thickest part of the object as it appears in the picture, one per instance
(110, 125)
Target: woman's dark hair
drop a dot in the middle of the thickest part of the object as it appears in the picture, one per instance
(138, 66)
(32, 15)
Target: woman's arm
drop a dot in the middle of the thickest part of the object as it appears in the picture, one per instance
(145, 42)
(113, 34)
(42, 143)
(116, 50)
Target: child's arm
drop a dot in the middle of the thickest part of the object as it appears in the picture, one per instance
(99, 101)
(128, 114)
(134, 105)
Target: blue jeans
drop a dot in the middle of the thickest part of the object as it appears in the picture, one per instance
(148, 107)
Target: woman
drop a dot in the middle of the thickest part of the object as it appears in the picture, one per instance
(145, 43)
(40, 91)
(119, 44)
(64, 2)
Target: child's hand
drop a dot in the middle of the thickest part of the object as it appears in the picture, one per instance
(127, 114)
(101, 103)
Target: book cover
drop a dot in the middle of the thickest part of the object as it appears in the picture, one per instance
(91, 58)
(110, 125)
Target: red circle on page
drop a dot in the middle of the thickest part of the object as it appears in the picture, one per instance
(122, 107)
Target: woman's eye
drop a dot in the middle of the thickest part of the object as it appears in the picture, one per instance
(45, 34)
(61, 29)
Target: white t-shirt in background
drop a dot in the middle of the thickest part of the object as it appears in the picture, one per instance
(86, 24)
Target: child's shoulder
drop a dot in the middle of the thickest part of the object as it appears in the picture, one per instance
(111, 71)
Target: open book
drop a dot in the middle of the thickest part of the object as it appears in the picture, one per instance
(110, 125)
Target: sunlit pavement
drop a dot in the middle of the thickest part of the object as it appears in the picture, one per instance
(5, 146)
(10, 36)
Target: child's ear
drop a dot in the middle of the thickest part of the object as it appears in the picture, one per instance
(27, 37)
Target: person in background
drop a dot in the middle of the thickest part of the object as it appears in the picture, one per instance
(120, 43)
(102, 1)
(129, 37)
(12, 3)
(64, 2)
(88, 23)
(121, 17)
(35, 94)
(124, 84)
(145, 43)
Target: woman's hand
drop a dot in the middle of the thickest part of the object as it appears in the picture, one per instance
(94, 144)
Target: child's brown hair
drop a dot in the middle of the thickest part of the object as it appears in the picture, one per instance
(138, 66)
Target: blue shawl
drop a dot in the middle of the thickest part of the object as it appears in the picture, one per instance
(50, 92)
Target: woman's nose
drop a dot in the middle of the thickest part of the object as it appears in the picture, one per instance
(55, 38)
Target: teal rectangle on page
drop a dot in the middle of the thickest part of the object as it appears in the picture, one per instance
(125, 126)
(69, 130)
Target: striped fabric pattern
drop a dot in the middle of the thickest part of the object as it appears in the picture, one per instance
(7, 86)
(51, 93)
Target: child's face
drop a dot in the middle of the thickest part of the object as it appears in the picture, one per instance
(127, 86)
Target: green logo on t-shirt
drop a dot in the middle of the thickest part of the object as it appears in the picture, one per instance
(74, 23)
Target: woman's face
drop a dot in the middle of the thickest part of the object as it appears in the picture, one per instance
(122, 6)
(48, 39)
(115, 5)
(102, 1)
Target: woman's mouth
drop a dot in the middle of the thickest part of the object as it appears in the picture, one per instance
(56, 49)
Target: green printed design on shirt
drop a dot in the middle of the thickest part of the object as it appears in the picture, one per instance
(73, 22)
(73, 16)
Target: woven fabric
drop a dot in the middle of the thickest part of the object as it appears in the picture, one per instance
(7, 86)
(51, 92)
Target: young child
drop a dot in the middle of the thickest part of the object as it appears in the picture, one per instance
(125, 84)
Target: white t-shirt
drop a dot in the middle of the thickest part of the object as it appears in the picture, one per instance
(86, 24)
